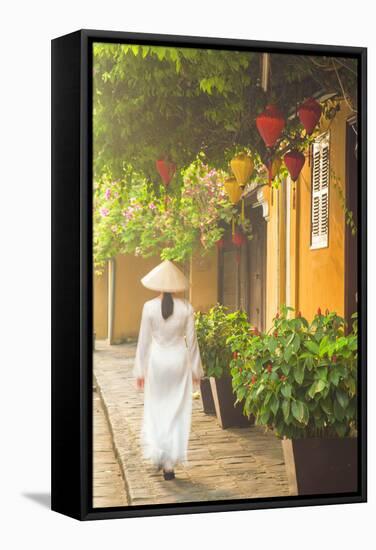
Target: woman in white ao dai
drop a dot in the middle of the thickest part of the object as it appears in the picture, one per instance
(167, 364)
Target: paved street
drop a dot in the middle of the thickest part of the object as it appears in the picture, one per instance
(223, 464)
(109, 488)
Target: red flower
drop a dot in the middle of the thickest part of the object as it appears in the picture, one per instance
(283, 377)
(235, 355)
(299, 314)
(319, 311)
(277, 315)
(253, 379)
(269, 368)
(275, 334)
(326, 311)
(334, 359)
(240, 370)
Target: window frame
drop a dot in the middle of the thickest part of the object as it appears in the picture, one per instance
(320, 241)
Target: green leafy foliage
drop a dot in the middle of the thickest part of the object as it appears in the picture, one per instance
(157, 101)
(213, 330)
(299, 378)
(133, 215)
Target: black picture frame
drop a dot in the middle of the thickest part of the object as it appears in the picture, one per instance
(72, 274)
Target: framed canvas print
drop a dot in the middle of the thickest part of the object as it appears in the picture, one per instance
(208, 274)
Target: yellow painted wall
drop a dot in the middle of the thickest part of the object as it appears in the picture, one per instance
(204, 281)
(273, 254)
(100, 304)
(320, 273)
(317, 277)
(130, 294)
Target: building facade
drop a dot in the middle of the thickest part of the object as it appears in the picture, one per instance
(302, 254)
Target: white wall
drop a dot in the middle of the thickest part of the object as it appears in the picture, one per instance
(26, 30)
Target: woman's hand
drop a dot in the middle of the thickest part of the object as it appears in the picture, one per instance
(140, 383)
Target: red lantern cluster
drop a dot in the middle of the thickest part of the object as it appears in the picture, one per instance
(294, 161)
(309, 114)
(166, 170)
(239, 239)
(270, 125)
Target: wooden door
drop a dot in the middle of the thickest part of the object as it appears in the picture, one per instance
(257, 274)
(242, 272)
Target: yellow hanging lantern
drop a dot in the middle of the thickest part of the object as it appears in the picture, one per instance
(274, 167)
(235, 192)
(242, 167)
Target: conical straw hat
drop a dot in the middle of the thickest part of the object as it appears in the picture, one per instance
(166, 277)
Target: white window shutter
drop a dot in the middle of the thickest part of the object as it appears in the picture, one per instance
(320, 192)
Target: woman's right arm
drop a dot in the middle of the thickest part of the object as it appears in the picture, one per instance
(143, 347)
(193, 349)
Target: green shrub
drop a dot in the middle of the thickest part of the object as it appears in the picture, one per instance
(299, 378)
(213, 330)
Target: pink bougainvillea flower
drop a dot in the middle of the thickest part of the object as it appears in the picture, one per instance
(152, 206)
(104, 212)
(107, 193)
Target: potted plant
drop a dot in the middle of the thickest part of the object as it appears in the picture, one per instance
(202, 330)
(213, 330)
(300, 380)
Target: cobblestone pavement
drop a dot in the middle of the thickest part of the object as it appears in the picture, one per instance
(108, 487)
(222, 464)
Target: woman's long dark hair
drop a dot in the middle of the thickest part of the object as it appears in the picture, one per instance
(167, 305)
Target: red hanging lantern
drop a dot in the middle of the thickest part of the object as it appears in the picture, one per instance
(239, 239)
(270, 125)
(220, 243)
(309, 114)
(294, 161)
(166, 170)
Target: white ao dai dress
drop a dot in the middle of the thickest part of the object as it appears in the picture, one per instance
(167, 357)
